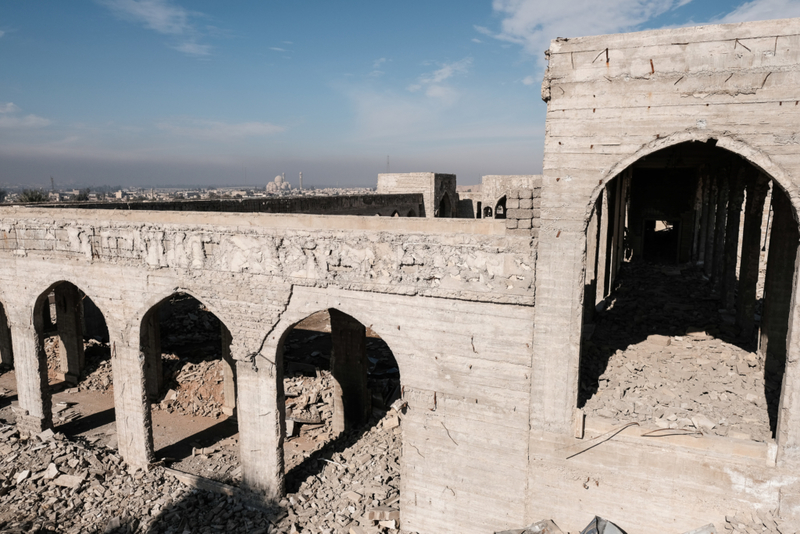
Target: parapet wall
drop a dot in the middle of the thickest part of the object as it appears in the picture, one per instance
(387, 205)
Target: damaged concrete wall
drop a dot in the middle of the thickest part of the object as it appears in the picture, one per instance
(613, 100)
(435, 187)
(453, 299)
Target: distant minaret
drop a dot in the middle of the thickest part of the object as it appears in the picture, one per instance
(301, 181)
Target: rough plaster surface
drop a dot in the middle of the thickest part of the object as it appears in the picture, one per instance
(612, 100)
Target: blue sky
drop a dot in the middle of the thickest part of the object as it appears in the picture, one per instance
(158, 92)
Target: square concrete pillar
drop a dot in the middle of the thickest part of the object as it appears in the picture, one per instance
(351, 397)
(151, 352)
(731, 254)
(35, 404)
(69, 323)
(131, 405)
(757, 187)
(260, 412)
(228, 374)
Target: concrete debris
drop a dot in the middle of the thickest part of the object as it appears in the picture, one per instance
(699, 378)
(598, 525)
(73, 486)
(540, 527)
(707, 529)
(760, 521)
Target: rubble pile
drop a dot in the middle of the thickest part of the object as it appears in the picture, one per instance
(353, 484)
(97, 373)
(51, 484)
(758, 522)
(664, 353)
(51, 350)
(192, 388)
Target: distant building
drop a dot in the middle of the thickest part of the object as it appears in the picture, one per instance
(279, 184)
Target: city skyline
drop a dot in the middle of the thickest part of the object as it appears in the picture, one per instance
(158, 92)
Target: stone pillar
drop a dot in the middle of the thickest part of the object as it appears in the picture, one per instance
(351, 397)
(735, 199)
(228, 373)
(590, 278)
(784, 239)
(131, 405)
(33, 390)
(151, 352)
(602, 246)
(698, 212)
(69, 323)
(719, 231)
(705, 179)
(6, 349)
(757, 187)
(711, 220)
(260, 407)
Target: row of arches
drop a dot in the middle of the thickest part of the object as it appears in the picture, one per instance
(345, 371)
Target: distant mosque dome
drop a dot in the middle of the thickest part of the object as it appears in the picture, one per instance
(279, 179)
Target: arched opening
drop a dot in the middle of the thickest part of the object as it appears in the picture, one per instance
(487, 212)
(190, 384)
(396, 214)
(411, 213)
(8, 379)
(75, 357)
(500, 209)
(445, 209)
(479, 209)
(687, 295)
(340, 386)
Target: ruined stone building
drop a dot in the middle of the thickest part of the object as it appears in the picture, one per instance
(676, 147)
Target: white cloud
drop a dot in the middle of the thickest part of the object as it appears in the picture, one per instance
(275, 48)
(763, 10)
(474, 40)
(529, 80)
(193, 49)
(217, 130)
(9, 107)
(164, 17)
(2, 33)
(378, 62)
(448, 70)
(534, 23)
(10, 118)
(433, 84)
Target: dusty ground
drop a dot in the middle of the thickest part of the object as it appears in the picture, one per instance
(663, 353)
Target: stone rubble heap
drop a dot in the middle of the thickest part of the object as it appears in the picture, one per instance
(756, 523)
(98, 367)
(663, 354)
(193, 388)
(51, 484)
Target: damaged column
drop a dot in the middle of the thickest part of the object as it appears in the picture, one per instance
(731, 253)
(228, 374)
(757, 187)
(784, 240)
(718, 268)
(34, 412)
(711, 220)
(151, 352)
(69, 321)
(351, 397)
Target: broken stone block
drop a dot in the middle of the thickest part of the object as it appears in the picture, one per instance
(22, 475)
(660, 341)
(51, 472)
(391, 422)
(68, 481)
